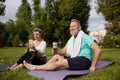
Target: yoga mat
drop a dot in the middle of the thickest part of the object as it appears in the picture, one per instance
(3, 67)
(62, 72)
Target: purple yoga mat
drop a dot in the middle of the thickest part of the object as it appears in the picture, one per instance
(62, 72)
(3, 67)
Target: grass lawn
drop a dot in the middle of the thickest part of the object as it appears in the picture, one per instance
(9, 55)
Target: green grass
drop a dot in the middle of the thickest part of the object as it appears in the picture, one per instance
(9, 55)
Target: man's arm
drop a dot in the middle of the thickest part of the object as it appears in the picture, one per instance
(97, 52)
(63, 51)
(60, 52)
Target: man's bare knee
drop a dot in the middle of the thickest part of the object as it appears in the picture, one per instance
(62, 63)
(55, 56)
(58, 57)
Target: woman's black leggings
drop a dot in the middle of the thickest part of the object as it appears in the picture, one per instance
(32, 58)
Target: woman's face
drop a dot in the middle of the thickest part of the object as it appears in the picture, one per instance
(37, 36)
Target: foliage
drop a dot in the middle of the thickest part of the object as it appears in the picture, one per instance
(11, 31)
(24, 12)
(10, 40)
(111, 10)
(22, 30)
(23, 22)
(49, 23)
(75, 9)
(2, 12)
(59, 13)
(117, 37)
(2, 30)
(108, 42)
(70, 9)
(10, 27)
(16, 41)
(37, 13)
(2, 7)
(53, 19)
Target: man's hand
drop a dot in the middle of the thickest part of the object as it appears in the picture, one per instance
(55, 50)
(92, 68)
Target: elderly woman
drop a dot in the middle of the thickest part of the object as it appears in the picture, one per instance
(35, 52)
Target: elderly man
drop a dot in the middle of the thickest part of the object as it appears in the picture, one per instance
(79, 48)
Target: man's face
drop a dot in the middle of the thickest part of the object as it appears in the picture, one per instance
(74, 28)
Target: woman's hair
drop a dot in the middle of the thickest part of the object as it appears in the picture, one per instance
(38, 30)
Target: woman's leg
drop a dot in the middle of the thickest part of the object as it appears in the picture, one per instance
(22, 58)
(37, 60)
(26, 57)
(19, 63)
(11, 67)
(17, 67)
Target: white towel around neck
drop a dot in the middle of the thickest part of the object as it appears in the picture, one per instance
(73, 51)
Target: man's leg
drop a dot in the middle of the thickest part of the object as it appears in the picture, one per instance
(55, 63)
(55, 58)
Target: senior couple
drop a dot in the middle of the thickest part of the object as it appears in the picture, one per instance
(83, 52)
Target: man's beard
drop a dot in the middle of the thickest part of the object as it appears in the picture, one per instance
(74, 33)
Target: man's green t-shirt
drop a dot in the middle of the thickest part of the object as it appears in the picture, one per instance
(86, 49)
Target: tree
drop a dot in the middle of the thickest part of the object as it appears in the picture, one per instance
(16, 40)
(10, 31)
(70, 9)
(111, 10)
(37, 13)
(60, 12)
(2, 7)
(2, 30)
(24, 12)
(23, 22)
(49, 24)
(10, 27)
(10, 39)
(22, 31)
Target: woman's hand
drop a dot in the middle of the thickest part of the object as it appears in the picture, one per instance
(32, 47)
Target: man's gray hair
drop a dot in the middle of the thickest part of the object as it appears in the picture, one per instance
(75, 20)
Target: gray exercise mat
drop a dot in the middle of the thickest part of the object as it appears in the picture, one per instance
(3, 67)
(62, 73)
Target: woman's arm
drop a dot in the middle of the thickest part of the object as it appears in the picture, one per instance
(41, 49)
(39, 53)
(27, 48)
